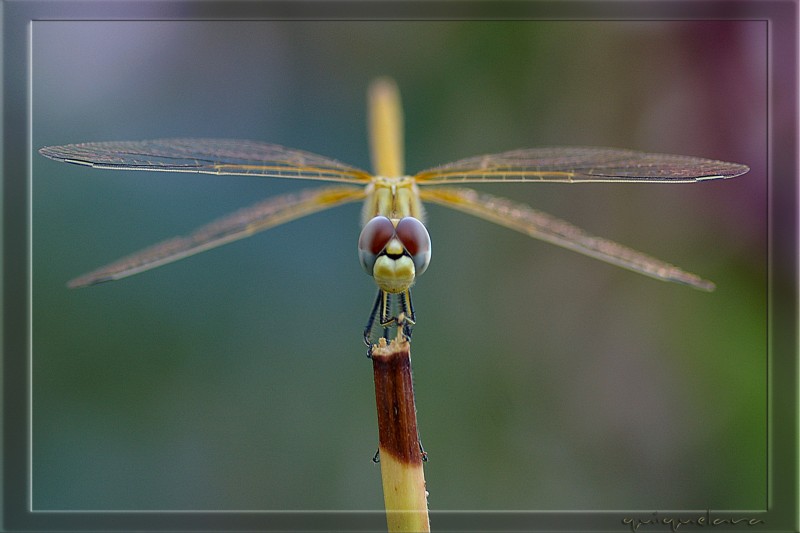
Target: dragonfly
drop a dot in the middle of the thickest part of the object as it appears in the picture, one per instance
(394, 246)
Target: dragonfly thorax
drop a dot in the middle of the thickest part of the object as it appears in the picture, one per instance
(393, 198)
(394, 251)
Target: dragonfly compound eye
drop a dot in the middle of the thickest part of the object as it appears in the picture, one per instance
(375, 235)
(416, 241)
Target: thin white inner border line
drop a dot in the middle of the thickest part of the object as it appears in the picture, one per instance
(29, 281)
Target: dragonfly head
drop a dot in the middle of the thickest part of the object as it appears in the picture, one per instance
(394, 252)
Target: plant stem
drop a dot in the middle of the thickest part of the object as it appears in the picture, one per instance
(401, 456)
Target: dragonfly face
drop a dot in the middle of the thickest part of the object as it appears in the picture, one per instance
(394, 247)
(394, 252)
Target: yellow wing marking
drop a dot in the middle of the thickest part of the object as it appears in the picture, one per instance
(279, 171)
(493, 176)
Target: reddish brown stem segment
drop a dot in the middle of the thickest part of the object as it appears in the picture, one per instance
(404, 491)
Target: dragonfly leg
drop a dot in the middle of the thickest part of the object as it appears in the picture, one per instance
(380, 310)
(407, 312)
(376, 308)
(387, 320)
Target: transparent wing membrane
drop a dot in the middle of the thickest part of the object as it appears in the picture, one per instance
(238, 225)
(579, 164)
(542, 226)
(208, 156)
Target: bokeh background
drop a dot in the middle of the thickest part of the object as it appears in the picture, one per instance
(545, 380)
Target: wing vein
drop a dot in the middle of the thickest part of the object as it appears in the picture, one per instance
(243, 223)
(579, 164)
(545, 227)
(208, 156)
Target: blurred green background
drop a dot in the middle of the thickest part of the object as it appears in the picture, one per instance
(237, 380)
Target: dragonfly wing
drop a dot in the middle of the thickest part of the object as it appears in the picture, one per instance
(261, 216)
(580, 164)
(542, 226)
(208, 156)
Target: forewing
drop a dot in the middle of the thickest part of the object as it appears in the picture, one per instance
(579, 164)
(542, 226)
(208, 156)
(238, 225)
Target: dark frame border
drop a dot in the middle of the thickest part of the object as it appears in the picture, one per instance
(781, 513)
